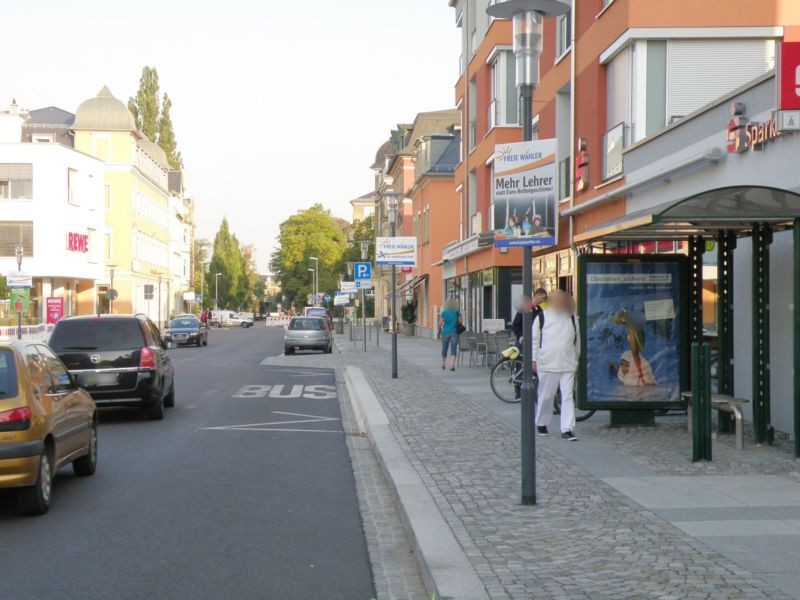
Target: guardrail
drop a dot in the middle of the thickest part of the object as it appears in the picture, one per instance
(38, 332)
(277, 321)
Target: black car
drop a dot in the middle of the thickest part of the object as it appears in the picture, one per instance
(120, 360)
(187, 331)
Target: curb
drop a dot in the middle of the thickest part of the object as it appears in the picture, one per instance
(446, 570)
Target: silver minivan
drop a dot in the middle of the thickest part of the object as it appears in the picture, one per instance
(308, 333)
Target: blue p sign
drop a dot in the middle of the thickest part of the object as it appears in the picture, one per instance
(362, 270)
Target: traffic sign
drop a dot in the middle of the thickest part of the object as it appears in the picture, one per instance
(19, 279)
(348, 286)
(112, 294)
(341, 299)
(362, 270)
(364, 284)
(327, 298)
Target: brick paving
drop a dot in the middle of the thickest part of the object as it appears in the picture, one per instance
(394, 565)
(583, 540)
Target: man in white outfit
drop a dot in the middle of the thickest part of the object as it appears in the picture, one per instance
(556, 348)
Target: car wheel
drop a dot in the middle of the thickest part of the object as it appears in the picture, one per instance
(287, 351)
(35, 500)
(199, 342)
(86, 465)
(169, 401)
(155, 410)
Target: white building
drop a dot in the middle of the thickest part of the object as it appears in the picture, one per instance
(181, 241)
(51, 203)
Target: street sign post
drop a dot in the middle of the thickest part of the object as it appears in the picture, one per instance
(398, 251)
(364, 284)
(362, 270)
(348, 286)
(19, 279)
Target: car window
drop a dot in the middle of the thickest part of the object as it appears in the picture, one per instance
(184, 324)
(59, 377)
(306, 324)
(35, 363)
(96, 334)
(155, 333)
(8, 375)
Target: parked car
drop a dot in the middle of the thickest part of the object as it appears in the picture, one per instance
(46, 421)
(229, 318)
(187, 331)
(120, 360)
(308, 333)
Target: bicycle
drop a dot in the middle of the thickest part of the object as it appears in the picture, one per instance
(506, 381)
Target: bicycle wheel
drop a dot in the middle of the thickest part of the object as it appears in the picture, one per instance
(580, 415)
(505, 380)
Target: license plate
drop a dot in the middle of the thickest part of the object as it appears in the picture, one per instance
(100, 379)
(181, 337)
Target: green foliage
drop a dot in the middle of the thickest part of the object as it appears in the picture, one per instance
(166, 135)
(4, 293)
(310, 232)
(145, 106)
(226, 260)
(409, 312)
(153, 117)
(201, 258)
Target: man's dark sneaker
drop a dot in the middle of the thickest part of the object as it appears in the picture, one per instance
(569, 436)
(541, 429)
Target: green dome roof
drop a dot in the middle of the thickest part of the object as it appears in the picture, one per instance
(104, 113)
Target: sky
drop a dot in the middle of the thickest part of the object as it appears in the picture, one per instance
(277, 105)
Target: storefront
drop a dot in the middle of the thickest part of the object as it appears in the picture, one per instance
(723, 186)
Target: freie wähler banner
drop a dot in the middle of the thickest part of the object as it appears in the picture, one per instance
(523, 192)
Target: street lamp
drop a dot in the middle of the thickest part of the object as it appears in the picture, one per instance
(216, 290)
(18, 252)
(316, 278)
(527, 31)
(313, 286)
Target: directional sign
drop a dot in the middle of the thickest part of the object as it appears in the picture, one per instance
(364, 284)
(341, 299)
(348, 286)
(19, 279)
(362, 270)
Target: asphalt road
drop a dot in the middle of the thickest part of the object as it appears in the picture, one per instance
(243, 491)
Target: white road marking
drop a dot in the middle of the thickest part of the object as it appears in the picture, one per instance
(271, 426)
(312, 392)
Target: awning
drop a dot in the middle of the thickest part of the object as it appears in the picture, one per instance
(732, 209)
(410, 284)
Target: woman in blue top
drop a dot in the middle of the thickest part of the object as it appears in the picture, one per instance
(448, 321)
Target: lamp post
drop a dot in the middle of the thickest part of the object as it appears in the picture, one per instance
(316, 278)
(527, 18)
(392, 202)
(18, 252)
(313, 286)
(216, 290)
(364, 254)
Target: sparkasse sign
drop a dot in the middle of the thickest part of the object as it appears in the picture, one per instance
(744, 135)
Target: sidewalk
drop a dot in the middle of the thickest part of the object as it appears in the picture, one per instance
(621, 514)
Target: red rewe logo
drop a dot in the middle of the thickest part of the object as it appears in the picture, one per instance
(77, 242)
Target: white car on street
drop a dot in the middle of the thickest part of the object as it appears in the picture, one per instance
(229, 318)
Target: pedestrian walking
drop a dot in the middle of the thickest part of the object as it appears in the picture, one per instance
(204, 317)
(449, 325)
(525, 304)
(556, 349)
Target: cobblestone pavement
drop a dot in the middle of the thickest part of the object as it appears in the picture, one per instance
(583, 540)
(394, 566)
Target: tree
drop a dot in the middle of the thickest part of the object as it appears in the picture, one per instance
(254, 286)
(310, 232)
(145, 106)
(226, 260)
(153, 117)
(201, 258)
(363, 230)
(166, 135)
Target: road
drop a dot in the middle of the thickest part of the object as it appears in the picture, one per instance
(243, 491)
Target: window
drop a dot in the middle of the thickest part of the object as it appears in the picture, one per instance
(16, 181)
(107, 246)
(472, 208)
(72, 193)
(563, 34)
(60, 381)
(613, 144)
(473, 107)
(13, 234)
(503, 109)
(108, 197)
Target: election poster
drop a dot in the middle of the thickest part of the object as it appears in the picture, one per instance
(634, 317)
(523, 192)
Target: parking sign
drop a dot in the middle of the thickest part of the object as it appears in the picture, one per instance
(362, 270)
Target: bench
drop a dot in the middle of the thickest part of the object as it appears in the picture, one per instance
(725, 403)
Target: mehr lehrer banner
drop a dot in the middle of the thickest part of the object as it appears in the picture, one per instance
(525, 207)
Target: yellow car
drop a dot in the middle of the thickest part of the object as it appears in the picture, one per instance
(46, 421)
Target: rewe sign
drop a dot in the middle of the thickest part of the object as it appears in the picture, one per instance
(77, 242)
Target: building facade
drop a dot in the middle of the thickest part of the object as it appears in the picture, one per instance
(52, 206)
(136, 201)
